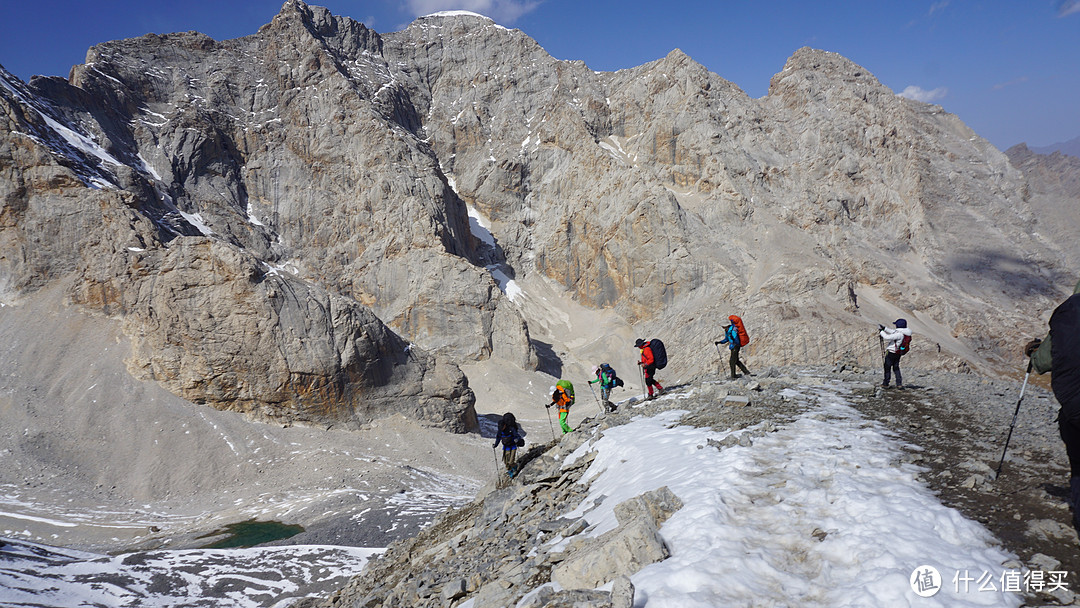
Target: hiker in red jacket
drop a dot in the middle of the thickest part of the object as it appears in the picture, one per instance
(648, 367)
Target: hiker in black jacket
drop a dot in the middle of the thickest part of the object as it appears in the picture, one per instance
(1060, 353)
(511, 439)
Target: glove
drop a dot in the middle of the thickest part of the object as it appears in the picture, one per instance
(549, 405)
(1030, 347)
(881, 327)
(717, 342)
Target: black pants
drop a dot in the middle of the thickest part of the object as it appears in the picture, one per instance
(892, 363)
(650, 371)
(1070, 434)
(734, 362)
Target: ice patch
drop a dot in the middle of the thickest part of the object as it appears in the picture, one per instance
(251, 215)
(36, 575)
(480, 227)
(507, 285)
(196, 220)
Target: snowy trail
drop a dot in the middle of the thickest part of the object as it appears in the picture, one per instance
(820, 512)
(34, 575)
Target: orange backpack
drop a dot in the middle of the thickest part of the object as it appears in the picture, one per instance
(744, 338)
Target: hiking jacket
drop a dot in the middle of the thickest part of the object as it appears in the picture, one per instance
(508, 436)
(1042, 359)
(1065, 353)
(731, 337)
(893, 337)
(606, 379)
(561, 399)
(647, 356)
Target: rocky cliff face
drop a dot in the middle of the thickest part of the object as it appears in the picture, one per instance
(258, 207)
(1053, 188)
(145, 177)
(666, 194)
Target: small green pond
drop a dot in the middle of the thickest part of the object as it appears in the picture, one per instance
(250, 533)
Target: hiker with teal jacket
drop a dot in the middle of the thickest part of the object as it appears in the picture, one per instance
(606, 378)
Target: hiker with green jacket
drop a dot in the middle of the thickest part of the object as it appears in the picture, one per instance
(1059, 353)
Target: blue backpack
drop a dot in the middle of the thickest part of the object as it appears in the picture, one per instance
(608, 377)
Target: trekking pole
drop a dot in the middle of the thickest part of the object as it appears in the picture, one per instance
(551, 425)
(595, 398)
(884, 360)
(1031, 362)
(719, 357)
(496, 457)
(641, 371)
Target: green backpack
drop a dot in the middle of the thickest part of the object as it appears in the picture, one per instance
(567, 388)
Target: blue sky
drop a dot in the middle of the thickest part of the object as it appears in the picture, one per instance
(1007, 68)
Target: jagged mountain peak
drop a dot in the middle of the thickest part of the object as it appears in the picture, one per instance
(342, 35)
(819, 70)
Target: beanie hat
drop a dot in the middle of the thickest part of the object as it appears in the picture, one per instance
(900, 323)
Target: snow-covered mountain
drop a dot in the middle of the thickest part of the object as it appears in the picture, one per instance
(347, 242)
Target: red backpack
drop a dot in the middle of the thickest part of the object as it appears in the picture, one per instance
(744, 338)
(905, 346)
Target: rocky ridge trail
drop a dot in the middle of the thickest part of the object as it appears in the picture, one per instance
(497, 550)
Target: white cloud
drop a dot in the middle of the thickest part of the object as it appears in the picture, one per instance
(937, 6)
(920, 94)
(1015, 81)
(1068, 7)
(502, 11)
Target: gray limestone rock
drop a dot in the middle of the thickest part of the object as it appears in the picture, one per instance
(626, 549)
(658, 504)
(219, 327)
(622, 593)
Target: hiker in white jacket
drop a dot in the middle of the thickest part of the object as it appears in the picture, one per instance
(894, 349)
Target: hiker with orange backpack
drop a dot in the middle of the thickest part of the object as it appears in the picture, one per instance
(735, 337)
(896, 345)
(562, 395)
(649, 363)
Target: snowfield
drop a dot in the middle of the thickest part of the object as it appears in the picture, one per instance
(821, 512)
